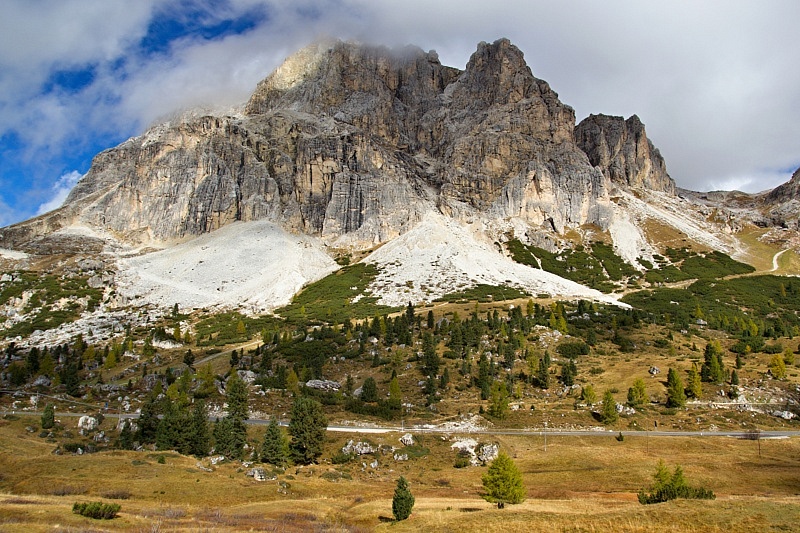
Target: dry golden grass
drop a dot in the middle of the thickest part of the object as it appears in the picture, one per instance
(577, 484)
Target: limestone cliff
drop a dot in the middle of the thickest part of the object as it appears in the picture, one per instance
(354, 144)
(621, 149)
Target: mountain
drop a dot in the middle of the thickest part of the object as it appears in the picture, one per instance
(348, 147)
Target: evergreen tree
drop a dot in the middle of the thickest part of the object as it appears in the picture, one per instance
(431, 357)
(307, 428)
(484, 377)
(188, 359)
(369, 390)
(48, 417)
(568, 372)
(543, 373)
(503, 482)
(403, 500)
(734, 378)
(676, 397)
(199, 437)
(125, 439)
(236, 395)
(609, 413)
(148, 420)
(275, 448)
(32, 361)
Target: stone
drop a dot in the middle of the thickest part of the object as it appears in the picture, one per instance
(407, 439)
(323, 384)
(41, 381)
(248, 376)
(622, 151)
(87, 423)
(487, 452)
(358, 448)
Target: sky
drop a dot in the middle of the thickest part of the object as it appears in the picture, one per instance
(716, 82)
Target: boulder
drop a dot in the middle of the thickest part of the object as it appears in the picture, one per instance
(87, 423)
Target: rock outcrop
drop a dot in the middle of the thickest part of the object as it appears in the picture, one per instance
(621, 149)
(783, 203)
(355, 144)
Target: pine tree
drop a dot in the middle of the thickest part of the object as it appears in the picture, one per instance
(307, 428)
(275, 448)
(125, 439)
(609, 413)
(369, 390)
(676, 397)
(148, 419)
(48, 417)
(483, 381)
(199, 437)
(236, 395)
(503, 482)
(543, 373)
(403, 500)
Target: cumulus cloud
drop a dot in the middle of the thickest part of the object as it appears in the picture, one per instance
(715, 82)
(59, 192)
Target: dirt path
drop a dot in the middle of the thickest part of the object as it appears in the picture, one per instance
(775, 259)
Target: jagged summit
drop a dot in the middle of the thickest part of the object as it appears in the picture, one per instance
(349, 147)
(623, 152)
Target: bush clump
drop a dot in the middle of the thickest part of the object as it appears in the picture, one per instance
(668, 487)
(96, 510)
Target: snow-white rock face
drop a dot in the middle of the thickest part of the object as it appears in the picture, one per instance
(254, 266)
(440, 256)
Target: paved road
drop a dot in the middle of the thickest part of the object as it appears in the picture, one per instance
(374, 429)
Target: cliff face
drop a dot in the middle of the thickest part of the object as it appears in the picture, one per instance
(621, 149)
(353, 141)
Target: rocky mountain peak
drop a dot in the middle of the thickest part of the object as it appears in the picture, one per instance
(355, 143)
(786, 192)
(621, 149)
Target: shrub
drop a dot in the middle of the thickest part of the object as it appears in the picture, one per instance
(96, 510)
(668, 487)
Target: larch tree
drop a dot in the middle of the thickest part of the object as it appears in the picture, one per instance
(503, 482)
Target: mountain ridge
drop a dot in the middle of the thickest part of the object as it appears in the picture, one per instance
(357, 145)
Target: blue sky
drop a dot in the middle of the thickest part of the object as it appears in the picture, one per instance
(716, 82)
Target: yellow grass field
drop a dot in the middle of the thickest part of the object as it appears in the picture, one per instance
(576, 484)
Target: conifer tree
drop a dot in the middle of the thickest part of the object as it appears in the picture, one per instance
(498, 403)
(148, 419)
(676, 397)
(125, 439)
(503, 482)
(275, 448)
(694, 388)
(48, 417)
(369, 390)
(199, 437)
(637, 395)
(307, 428)
(403, 500)
(609, 413)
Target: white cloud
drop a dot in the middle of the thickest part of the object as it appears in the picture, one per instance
(60, 190)
(715, 82)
